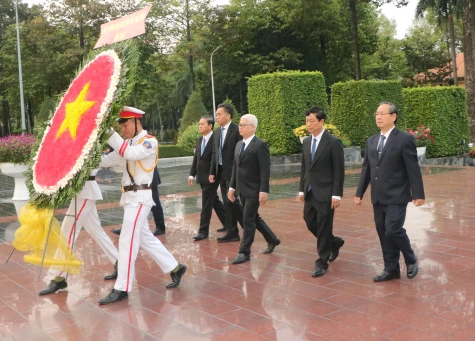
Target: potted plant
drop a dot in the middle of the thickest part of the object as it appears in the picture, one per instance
(422, 137)
(14, 156)
(301, 132)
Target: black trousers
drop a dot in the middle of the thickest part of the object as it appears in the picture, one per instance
(319, 219)
(252, 221)
(209, 201)
(389, 220)
(233, 209)
(157, 210)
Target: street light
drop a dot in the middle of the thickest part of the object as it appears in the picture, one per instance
(22, 105)
(212, 82)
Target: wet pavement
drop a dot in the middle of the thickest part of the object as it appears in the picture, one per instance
(272, 297)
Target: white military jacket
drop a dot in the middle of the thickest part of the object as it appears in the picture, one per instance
(91, 190)
(141, 154)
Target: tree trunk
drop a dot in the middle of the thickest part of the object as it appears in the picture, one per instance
(354, 35)
(468, 19)
(452, 48)
(6, 118)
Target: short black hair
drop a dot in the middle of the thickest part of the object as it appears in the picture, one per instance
(318, 112)
(123, 120)
(392, 109)
(228, 108)
(209, 120)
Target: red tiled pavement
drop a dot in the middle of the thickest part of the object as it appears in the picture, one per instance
(272, 297)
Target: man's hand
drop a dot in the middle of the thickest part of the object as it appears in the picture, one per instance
(190, 182)
(358, 201)
(335, 203)
(263, 198)
(301, 198)
(418, 202)
(211, 178)
(230, 194)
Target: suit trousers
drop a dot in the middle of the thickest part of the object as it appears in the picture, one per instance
(252, 221)
(136, 234)
(233, 209)
(389, 220)
(319, 219)
(157, 210)
(209, 201)
(87, 217)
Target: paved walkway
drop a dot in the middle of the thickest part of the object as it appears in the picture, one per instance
(272, 297)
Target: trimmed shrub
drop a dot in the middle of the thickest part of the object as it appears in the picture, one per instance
(46, 109)
(444, 111)
(187, 139)
(237, 115)
(279, 101)
(169, 151)
(355, 102)
(193, 111)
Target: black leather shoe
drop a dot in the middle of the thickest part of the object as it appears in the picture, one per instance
(114, 296)
(158, 232)
(221, 229)
(386, 276)
(271, 246)
(412, 270)
(241, 258)
(116, 231)
(200, 236)
(176, 276)
(318, 272)
(227, 239)
(335, 252)
(54, 287)
(111, 276)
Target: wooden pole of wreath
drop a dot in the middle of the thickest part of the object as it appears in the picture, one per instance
(49, 231)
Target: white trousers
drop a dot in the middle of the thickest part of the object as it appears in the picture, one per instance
(136, 234)
(88, 218)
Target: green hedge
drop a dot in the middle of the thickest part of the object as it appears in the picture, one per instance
(279, 101)
(354, 104)
(168, 151)
(444, 111)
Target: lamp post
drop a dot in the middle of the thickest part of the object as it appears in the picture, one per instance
(212, 81)
(22, 105)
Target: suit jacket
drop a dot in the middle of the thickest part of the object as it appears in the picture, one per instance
(156, 178)
(229, 145)
(395, 177)
(202, 163)
(251, 170)
(326, 173)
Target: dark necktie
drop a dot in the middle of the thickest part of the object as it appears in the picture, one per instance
(314, 148)
(242, 149)
(203, 146)
(381, 145)
(220, 155)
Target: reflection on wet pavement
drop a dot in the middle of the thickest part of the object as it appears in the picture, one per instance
(272, 297)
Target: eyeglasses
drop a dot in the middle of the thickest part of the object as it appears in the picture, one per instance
(376, 114)
(244, 125)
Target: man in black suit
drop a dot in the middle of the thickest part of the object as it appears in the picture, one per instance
(250, 180)
(321, 186)
(200, 169)
(225, 139)
(391, 166)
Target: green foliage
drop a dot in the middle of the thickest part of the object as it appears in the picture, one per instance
(193, 111)
(354, 104)
(169, 151)
(46, 110)
(170, 135)
(237, 116)
(444, 110)
(187, 139)
(279, 101)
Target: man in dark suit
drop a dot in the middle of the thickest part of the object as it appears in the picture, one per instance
(225, 139)
(390, 165)
(200, 170)
(321, 186)
(250, 180)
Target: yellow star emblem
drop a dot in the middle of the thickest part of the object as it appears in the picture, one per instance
(74, 111)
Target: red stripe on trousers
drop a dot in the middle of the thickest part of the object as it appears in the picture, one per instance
(72, 228)
(131, 245)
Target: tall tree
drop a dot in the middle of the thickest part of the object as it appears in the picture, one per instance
(468, 19)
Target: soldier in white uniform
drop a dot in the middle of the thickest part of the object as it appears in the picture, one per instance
(138, 155)
(87, 217)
